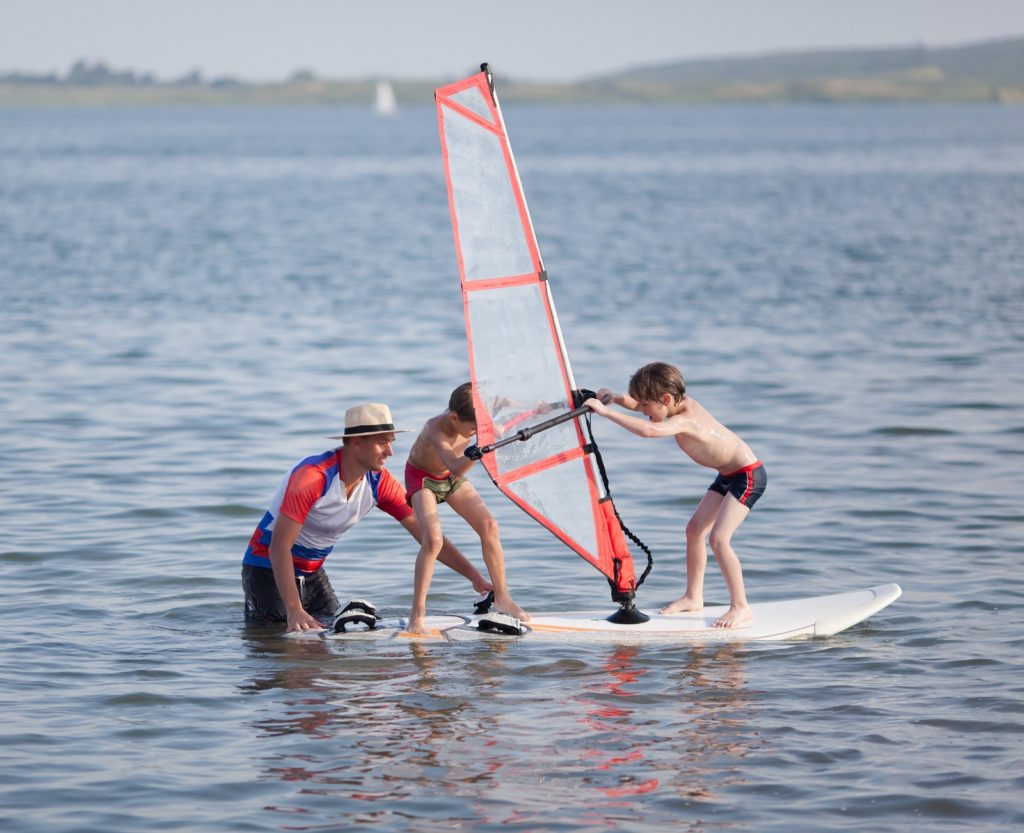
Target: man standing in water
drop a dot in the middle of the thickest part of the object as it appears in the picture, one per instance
(658, 392)
(316, 503)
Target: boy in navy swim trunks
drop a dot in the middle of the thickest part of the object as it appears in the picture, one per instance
(435, 474)
(657, 391)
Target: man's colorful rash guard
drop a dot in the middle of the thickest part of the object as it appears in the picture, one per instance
(313, 494)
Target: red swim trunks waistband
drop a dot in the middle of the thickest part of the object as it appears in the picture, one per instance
(755, 465)
(411, 470)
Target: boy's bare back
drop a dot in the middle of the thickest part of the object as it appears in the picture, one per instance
(706, 441)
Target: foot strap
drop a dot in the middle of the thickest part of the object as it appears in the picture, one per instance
(356, 612)
(483, 602)
(501, 623)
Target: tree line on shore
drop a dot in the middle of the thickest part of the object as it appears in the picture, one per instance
(988, 71)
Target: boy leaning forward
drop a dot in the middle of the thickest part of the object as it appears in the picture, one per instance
(658, 392)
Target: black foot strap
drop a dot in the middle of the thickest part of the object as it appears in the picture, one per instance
(483, 603)
(356, 612)
(501, 623)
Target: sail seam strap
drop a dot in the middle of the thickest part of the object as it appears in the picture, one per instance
(540, 465)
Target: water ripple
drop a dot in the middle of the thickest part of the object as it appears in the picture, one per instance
(192, 299)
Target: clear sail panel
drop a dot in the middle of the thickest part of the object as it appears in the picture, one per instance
(518, 372)
(472, 98)
(561, 494)
(490, 228)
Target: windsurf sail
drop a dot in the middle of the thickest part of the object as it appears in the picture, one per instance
(523, 387)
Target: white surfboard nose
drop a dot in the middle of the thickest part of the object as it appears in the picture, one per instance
(884, 595)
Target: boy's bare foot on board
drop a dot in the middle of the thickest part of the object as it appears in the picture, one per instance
(682, 605)
(510, 608)
(734, 617)
(417, 626)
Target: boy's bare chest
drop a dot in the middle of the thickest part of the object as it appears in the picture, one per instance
(699, 447)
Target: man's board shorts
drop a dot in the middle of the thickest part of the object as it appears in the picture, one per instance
(263, 602)
(440, 485)
(746, 485)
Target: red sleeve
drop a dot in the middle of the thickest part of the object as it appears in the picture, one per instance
(305, 487)
(391, 497)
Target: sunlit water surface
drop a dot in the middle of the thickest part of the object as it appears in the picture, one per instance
(191, 298)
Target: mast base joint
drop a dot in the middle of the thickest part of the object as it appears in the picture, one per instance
(628, 614)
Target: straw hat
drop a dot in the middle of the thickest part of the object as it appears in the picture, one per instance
(364, 420)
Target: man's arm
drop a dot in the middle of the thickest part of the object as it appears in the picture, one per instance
(286, 531)
(451, 557)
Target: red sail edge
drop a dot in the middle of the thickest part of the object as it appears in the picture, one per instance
(518, 362)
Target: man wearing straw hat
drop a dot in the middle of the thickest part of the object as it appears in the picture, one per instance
(317, 501)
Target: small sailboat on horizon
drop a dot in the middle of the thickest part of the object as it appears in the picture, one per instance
(384, 103)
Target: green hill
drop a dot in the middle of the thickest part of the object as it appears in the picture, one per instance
(990, 71)
(983, 71)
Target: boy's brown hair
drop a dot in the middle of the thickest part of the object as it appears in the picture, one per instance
(460, 402)
(654, 380)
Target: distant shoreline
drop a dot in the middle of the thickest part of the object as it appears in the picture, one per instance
(330, 93)
(983, 72)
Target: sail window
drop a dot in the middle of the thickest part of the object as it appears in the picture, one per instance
(560, 496)
(472, 99)
(490, 228)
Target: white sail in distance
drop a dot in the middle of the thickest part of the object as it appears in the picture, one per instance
(384, 103)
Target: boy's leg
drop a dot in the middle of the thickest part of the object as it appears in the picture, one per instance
(730, 516)
(424, 504)
(697, 554)
(466, 501)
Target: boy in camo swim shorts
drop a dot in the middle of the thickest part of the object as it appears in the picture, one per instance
(435, 474)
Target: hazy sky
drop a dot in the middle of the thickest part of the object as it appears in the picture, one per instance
(534, 39)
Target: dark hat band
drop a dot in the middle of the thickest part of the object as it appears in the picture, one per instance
(370, 429)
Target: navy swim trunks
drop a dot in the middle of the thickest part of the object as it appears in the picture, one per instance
(263, 602)
(746, 485)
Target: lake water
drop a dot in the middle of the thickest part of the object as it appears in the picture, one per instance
(192, 297)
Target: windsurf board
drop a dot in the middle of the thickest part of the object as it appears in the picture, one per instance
(807, 618)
